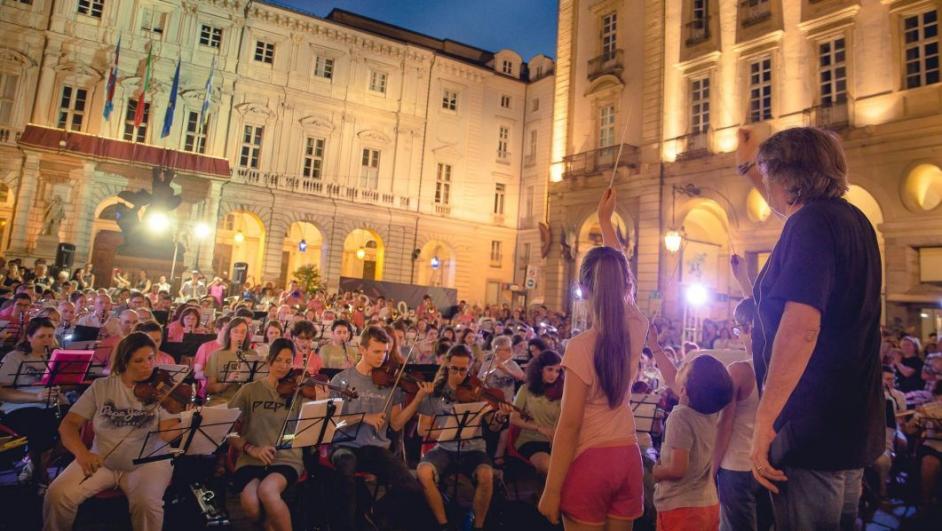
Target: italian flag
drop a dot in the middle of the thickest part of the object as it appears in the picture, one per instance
(139, 109)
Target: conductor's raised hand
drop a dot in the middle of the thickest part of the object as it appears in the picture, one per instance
(607, 205)
(748, 146)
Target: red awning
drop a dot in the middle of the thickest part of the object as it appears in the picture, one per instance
(96, 147)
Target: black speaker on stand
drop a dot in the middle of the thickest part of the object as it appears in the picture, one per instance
(240, 272)
(65, 257)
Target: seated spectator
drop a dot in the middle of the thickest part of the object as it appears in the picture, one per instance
(927, 423)
(908, 365)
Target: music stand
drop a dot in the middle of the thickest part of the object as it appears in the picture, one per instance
(454, 428)
(243, 371)
(85, 333)
(320, 422)
(203, 436)
(63, 371)
(161, 316)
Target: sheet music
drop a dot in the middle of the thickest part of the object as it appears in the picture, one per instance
(213, 430)
(239, 371)
(449, 430)
(312, 419)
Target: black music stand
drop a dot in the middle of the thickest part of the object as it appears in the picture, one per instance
(464, 422)
(320, 423)
(55, 373)
(243, 371)
(197, 430)
(85, 333)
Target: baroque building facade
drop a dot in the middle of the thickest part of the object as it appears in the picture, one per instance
(365, 149)
(673, 81)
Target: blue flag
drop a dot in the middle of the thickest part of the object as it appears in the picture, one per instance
(112, 81)
(172, 104)
(209, 93)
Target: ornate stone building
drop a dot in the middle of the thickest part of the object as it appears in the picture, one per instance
(366, 149)
(685, 75)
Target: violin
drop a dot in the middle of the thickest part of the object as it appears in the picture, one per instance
(474, 390)
(305, 385)
(385, 376)
(161, 387)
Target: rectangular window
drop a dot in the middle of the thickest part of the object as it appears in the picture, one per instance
(369, 169)
(609, 34)
(760, 90)
(378, 81)
(210, 36)
(533, 136)
(153, 20)
(251, 146)
(534, 104)
(921, 48)
(500, 191)
(699, 105)
(92, 8)
(449, 100)
(8, 84)
(528, 205)
(72, 108)
(443, 184)
(264, 52)
(313, 157)
(503, 140)
(134, 133)
(607, 126)
(496, 254)
(507, 67)
(194, 140)
(833, 72)
(699, 13)
(505, 102)
(324, 67)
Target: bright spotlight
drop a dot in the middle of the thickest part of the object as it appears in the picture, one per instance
(239, 237)
(696, 295)
(361, 253)
(201, 230)
(157, 222)
(435, 262)
(302, 245)
(577, 291)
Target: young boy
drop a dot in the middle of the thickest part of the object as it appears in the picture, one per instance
(685, 495)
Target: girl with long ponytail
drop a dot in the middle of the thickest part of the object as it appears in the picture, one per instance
(595, 473)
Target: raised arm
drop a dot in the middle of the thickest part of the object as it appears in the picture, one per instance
(746, 152)
(606, 209)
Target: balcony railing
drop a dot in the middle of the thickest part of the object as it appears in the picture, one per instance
(695, 145)
(598, 160)
(697, 31)
(607, 63)
(752, 12)
(316, 187)
(442, 209)
(832, 116)
(8, 136)
(503, 156)
(497, 219)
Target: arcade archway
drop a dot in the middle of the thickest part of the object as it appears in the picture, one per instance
(363, 255)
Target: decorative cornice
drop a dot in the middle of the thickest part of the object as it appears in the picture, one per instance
(253, 109)
(456, 69)
(9, 55)
(79, 70)
(374, 136)
(320, 123)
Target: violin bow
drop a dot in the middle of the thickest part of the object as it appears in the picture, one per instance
(399, 374)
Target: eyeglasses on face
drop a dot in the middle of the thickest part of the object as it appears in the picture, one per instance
(459, 370)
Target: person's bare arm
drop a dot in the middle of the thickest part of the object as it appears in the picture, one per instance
(746, 152)
(676, 469)
(743, 385)
(606, 210)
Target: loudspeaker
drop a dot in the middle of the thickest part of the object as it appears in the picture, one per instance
(65, 255)
(240, 271)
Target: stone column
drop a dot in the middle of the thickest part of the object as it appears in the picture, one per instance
(81, 213)
(208, 246)
(25, 200)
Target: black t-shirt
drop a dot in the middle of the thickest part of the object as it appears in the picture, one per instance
(914, 382)
(827, 257)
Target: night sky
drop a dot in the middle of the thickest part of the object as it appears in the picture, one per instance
(525, 26)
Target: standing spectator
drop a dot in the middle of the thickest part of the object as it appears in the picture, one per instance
(908, 365)
(820, 417)
(193, 288)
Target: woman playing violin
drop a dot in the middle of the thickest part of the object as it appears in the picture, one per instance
(233, 362)
(444, 458)
(26, 404)
(369, 451)
(540, 397)
(263, 471)
(121, 423)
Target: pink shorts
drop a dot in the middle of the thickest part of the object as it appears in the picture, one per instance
(604, 483)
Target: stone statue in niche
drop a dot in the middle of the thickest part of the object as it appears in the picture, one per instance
(53, 216)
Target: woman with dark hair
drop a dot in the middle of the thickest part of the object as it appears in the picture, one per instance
(230, 363)
(270, 333)
(122, 424)
(187, 322)
(28, 407)
(263, 471)
(596, 428)
(540, 398)
(155, 332)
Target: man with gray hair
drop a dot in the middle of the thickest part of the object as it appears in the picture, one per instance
(816, 336)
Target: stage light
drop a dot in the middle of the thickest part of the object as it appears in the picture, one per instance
(157, 222)
(672, 240)
(697, 295)
(202, 230)
(302, 245)
(361, 253)
(577, 292)
(435, 262)
(239, 237)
